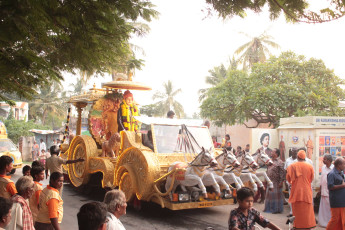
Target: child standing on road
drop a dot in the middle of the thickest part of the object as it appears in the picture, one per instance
(50, 212)
(37, 173)
(43, 157)
(244, 217)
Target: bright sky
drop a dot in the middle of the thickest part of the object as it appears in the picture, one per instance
(183, 45)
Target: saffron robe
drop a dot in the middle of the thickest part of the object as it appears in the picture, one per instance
(300, 175)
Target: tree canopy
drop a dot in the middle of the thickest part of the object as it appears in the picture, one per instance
(48, 101)
(19, 128)
(294, 10)
(284, 86)
(39, 39)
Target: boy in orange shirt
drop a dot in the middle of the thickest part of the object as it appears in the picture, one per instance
(51, 204)
(7, 187)
(37, 173)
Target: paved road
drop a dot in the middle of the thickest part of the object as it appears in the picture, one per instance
(151, 216)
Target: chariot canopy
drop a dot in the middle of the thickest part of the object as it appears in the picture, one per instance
(130, 85)
(178, 136)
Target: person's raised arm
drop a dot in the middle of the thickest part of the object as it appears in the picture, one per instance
(75, 161)
(273, 226)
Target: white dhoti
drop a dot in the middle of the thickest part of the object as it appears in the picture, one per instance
(324, 211)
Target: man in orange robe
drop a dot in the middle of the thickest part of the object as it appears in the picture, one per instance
(300, 175)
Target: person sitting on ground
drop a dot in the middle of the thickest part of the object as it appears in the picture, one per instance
(5, 212)
(37, 173)
(51, 211)
(171, 114)
(116, 205)
(92, 216)
(21, 213)
(245, 216)
(7, 187)
(26, 170)
(54, 163)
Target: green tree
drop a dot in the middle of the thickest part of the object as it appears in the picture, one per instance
(216, 75)
(167, 100)
(17, 129)
(151, 110)
(256, 50)
(10, 115)
(39, 40)
(48, 101)
(294, 10)
(284, 86)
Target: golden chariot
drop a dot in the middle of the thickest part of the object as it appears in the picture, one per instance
(138, 170)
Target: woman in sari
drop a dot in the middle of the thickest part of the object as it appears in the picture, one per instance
(274, 197)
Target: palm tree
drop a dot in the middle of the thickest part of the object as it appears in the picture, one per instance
(47, 101)
(217, 75)
(167, 100)
(78, 86)
(255, 50)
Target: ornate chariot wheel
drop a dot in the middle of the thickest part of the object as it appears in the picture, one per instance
(126, 186)
(81, 147)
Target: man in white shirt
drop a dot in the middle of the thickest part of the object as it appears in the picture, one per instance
(325, 208)
(292, 158)
(288, 162)
(116, 205)
(43, 146)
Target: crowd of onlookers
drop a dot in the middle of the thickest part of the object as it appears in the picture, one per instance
(297, 173)
(27, 205)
